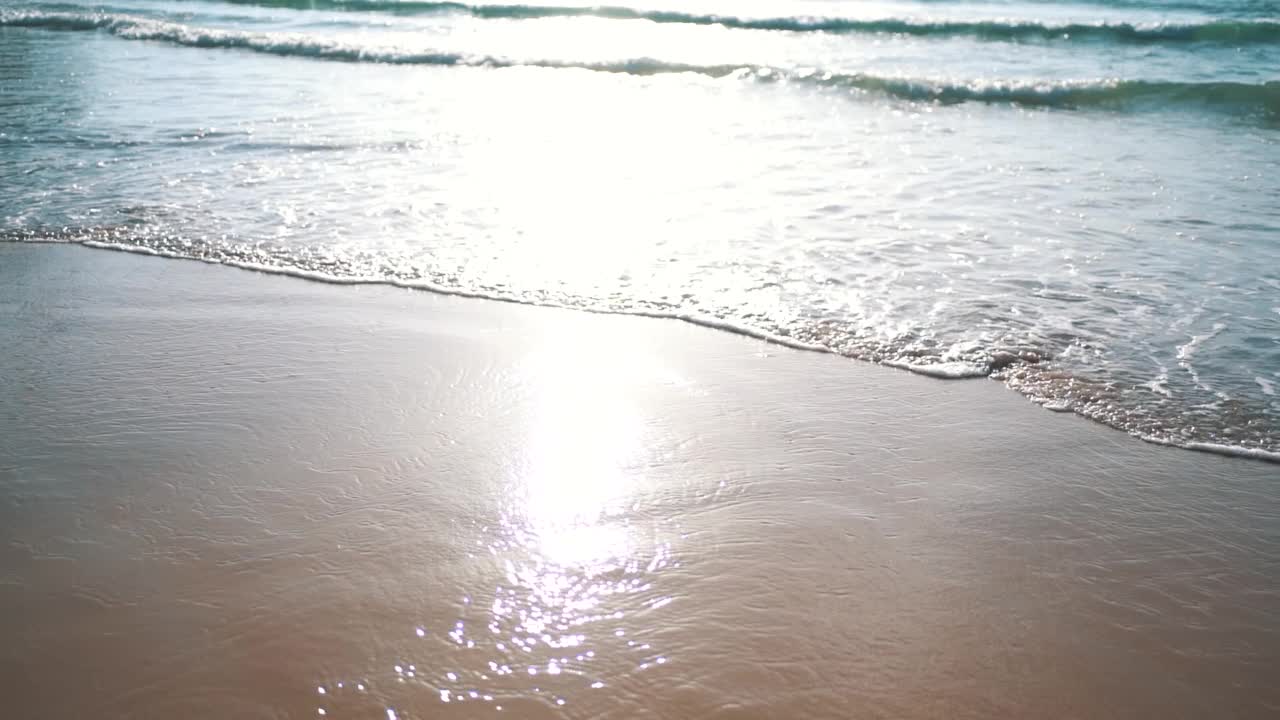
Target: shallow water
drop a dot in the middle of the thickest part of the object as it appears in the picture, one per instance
(230, 495)
(1076, 198)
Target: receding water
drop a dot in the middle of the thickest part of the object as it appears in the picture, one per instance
(1078, 199)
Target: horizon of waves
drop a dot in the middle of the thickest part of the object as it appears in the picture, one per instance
(1230, 32)
(1030, 371)
(1246, 99)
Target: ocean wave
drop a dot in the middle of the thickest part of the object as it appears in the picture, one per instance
(130, 27)
(1233, 97)
(1243, 98)
(1000, 30)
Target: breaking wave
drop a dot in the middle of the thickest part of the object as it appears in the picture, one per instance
(1232, 97)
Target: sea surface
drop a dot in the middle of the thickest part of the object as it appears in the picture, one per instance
(1079, 199)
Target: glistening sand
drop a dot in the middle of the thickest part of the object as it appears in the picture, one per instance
(233, 495)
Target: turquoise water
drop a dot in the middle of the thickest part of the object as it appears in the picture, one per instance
(1081, 200)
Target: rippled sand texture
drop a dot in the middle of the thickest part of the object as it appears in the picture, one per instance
(230, 495)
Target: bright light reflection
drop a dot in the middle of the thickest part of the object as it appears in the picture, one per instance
(570, 550)
(578, 476)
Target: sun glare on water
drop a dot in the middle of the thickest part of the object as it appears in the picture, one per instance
(580, 473)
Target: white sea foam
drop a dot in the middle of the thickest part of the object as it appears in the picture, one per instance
(1057, 406)
(1234, 451)
(944, 370)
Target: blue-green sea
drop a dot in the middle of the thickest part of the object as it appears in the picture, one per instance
(1078, 199)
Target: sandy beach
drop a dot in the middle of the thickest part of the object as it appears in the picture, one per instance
(226, 494)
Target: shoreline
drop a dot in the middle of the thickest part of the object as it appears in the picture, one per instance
(940, 371)
(944, 372)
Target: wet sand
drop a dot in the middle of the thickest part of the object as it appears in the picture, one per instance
(232, 495)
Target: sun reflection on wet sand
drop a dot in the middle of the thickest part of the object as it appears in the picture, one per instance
(578, 475)
(574, 552)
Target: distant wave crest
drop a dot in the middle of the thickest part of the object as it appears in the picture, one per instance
(1233, 97)
(1218, 31)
